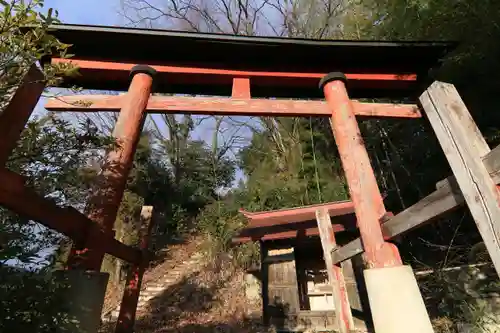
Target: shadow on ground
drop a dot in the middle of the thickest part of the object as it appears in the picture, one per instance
(245, 325)
(162, 247)
(205, 301)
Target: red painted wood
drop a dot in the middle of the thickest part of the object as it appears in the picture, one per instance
(298, 214)
(309, 232)
(15, 116)
(270, 225)
(101, 65)
(228, 106)
(211, 76)
(363, 188)
(103, 206)
(241, 88)
(66, 220)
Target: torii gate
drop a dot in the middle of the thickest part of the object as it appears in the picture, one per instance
(238, 68)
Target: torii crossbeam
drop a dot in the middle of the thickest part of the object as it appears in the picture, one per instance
(251, 76)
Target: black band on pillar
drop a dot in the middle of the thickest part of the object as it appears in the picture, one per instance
(333, 76)
(143, 69)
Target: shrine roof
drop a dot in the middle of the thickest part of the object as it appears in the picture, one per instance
(264, 54)
(293, 222)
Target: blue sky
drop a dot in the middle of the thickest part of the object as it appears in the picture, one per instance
(96, 12)
(103, 12)
(107, 12)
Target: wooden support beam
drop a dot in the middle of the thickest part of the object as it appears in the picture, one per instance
(308, 232)
(199, 76)
(66, 220)
(15, 116)
(128, 307)
(104, 204)
(228, 106)
(439, 202)
(281, 232)
(464, 146)
(241, 88)
(335, 276)
(446, 198)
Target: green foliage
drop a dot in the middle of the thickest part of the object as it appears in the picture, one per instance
(408, 158)
(292, 163)
(406, 155)
(50, 152)
(53, 156)
(462, 296)
(472, 67)
(288, 163)
(21, 47)
(33, 302)
(220, 222)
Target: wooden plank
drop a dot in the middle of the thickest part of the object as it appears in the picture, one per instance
(308, 232)
(445, 199)
(426, 210)
(241, 88)
(280, 229)
(340, 223)
(228, 106)
(282, 288)
(66, 220)
(492, 163)
(335, 275)
(14, 117)
(296, 214)
(463, 145)
(216, 76)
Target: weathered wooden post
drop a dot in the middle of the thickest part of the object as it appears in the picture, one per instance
(335, 276)
(467, 152)
(395, 300)
(15, 116)
(128, 308)
(282, 287)
(103, 206)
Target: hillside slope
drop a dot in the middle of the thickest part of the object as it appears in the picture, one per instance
(190, 292)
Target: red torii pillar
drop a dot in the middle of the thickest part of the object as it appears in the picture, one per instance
(395, 300)
(103, 206)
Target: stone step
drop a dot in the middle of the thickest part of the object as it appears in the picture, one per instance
(155, 289)
(145, 298)
(148, 293)
(153, 286)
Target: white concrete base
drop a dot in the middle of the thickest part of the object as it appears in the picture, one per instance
(395, 301)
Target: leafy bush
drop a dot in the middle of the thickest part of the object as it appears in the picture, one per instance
(32, 301)
(220, 221)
